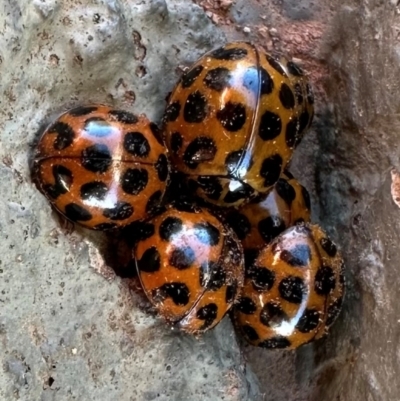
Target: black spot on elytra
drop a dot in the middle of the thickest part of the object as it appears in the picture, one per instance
(286, 97)
(207, 233)
(98, 127)
(63, 179)
(218, 278)
(124, 116)
(271, 169)
(325, 281)
(232, 160)
(298, 92)
(308, 321)
(235, 53)
(292, 289)
(65, 135)
(270, 126)
(275, 64)
(96, 158)
(136, 144)
(328, 246)
(294, 69)
(232, 116)
(292, 133)
(176, 142)
(246, 306)
(138, 231)
(75, 212)
(275, 342)
(178, 292)
(297, 256)
(262, 278)
(182, 258)
(196, 108)
(201, 149)
(211, 186)
(162, 167)
(189, 77)
(121, 211)
(270, 227)
(231, 291)
(105, 226)
(172, 111)
(251, 80)
(94, 190)
(169, 227)
(242, 191)
(250, 255)
(267, 84)
(134, 180)
(250, 333)
(285, 191)
(157, 133)
(303, 122)
(272, 315)
(154, 202)
(82, 111)
(333, 311)
(239, 223)
(218, 79)
(150, 261)
(208, 313)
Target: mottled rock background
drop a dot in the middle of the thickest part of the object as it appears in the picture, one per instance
(72, 330)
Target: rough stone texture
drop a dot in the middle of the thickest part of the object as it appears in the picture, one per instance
(66, 332)
(354, 180)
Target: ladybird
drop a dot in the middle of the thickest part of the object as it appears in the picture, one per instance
(233, 120)
(190, 266)
(101, 167)
(293, 292)
(260, 221)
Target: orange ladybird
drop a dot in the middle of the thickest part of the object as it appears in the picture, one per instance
(293, 292)
(260, 221)
(190, 266)
(101, 167)
(234, 119)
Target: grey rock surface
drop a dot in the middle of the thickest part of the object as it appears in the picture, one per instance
(67, 332)
(358, 188)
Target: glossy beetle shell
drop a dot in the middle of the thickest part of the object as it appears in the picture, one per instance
(101, 167)
(234, 119)
(293, 292)
(190, 266)
(257, 223)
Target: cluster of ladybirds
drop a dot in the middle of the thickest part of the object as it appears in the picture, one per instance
(219, 224)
